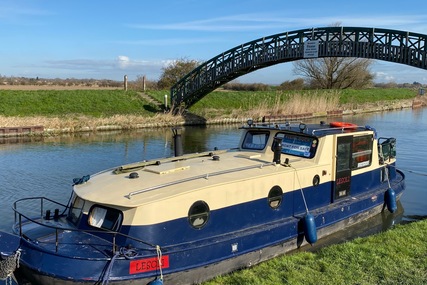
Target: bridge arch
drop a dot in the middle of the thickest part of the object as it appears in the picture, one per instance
(375, 43)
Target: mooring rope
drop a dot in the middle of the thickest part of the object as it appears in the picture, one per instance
(412, 171)
(408, 170)
(159, 257)
(388, 177)
(300, 187)
(106, 277)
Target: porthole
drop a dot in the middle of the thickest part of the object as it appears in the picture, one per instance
(275, 197)
(198, 215)
(316, 180)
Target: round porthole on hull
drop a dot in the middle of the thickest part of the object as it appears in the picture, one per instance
(198, 215)
(275, 197)
(316, 180)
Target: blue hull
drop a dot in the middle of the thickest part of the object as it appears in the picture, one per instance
(218, 250)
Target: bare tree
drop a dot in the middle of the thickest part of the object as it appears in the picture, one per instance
(335, 72)
(175, 71)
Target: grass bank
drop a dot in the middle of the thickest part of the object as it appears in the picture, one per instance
(86, 110)
(397, 256)
(62, 103)
(260, 103)
(79, 110)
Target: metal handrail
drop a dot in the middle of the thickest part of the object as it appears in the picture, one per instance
(343, 129)
(139, 165)
(15, 204)
(19, 215)
(202, 176)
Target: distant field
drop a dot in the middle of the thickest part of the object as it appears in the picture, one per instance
(55, 87)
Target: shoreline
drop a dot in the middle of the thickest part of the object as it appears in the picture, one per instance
(83, 124)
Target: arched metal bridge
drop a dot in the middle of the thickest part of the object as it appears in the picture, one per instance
(383, 44)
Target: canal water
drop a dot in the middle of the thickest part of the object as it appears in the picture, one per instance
(47, 166)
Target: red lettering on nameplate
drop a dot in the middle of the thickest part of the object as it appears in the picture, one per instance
(148, 264)
(342, 180)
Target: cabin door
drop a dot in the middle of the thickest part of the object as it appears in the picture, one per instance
(343, 168)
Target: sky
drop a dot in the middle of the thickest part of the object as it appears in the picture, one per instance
(108, 39)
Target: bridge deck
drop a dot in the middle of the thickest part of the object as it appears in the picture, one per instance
(382, 44)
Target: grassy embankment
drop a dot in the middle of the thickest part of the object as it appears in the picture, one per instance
(77, 110)
(397, 256)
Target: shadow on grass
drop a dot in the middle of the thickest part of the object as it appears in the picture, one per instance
(151, 108)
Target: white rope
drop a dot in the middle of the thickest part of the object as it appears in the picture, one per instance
(386, 173)
(300, 187)
(159, 257)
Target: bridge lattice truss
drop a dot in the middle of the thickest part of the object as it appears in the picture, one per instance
(382, 44)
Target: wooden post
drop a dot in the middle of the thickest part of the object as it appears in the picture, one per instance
(143, 83)
(125, 82)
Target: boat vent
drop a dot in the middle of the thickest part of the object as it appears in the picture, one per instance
(133, 175)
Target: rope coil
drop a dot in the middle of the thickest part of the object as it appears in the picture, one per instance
(8, 265)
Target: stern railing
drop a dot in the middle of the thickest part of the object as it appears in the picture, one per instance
(22, 219)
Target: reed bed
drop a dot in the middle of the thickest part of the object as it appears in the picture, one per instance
(294, 104)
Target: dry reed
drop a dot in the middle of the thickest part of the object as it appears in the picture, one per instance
(294, 104)
(84, 123)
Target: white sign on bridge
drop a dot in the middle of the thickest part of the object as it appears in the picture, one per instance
(311, 49)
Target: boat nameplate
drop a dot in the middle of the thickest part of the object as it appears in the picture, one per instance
(148, 264)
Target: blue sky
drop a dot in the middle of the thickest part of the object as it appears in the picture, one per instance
(109, 39)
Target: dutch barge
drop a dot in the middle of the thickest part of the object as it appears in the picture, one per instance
(188, 218)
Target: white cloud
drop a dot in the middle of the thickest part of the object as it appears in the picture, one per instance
(123, 61)
(383, 77)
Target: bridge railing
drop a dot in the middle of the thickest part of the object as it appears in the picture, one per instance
(383, 44)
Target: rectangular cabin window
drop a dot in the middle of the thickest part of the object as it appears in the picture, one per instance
(76, 209)
(105, 218)
(362, 151)
(298, 145)
(255, 140)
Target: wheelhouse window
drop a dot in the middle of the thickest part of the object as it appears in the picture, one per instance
(76, 209)
(362, 151)
(299, 145)
(105, 218)
(386, 148)
(255, 140)
(198, 215)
